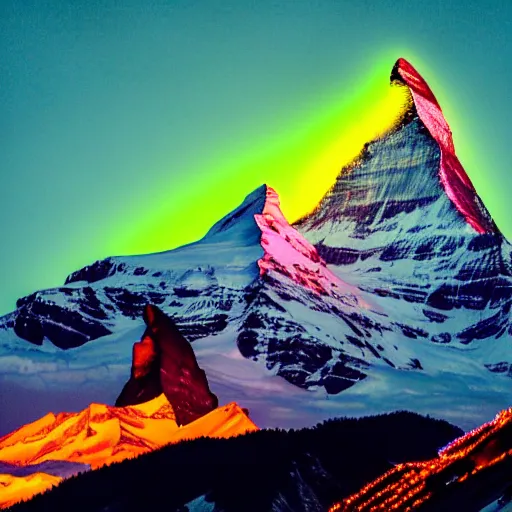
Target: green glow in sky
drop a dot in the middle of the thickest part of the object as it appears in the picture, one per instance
(132, 127)
(301, 161)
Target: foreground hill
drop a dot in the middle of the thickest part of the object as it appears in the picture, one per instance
(473, 473)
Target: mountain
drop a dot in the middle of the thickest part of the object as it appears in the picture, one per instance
(405, 224)
(472, 473)
(265, 470)
(97, 436)
(394, 293)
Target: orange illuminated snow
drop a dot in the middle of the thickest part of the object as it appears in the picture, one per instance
(102, 434)
(16, 488)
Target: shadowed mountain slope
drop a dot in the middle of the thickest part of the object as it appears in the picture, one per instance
(469, 474)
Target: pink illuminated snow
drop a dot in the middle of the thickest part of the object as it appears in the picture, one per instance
(454, 179)
(288, 252)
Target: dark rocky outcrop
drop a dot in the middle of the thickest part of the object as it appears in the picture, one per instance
(164, 361)
(92, 273)
(37, 318)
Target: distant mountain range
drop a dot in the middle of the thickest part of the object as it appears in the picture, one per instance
(394, 293)
(40, 454)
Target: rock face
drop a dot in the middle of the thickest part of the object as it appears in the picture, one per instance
(293, 278)
(405, 224)
(164, 362)
(399, 274)
(452, 176)
(37, 318)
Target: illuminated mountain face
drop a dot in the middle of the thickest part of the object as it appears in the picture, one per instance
(469, 474)
(101, 435)
(405, 225)
(395, 293)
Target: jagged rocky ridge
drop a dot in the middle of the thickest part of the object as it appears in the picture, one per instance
(269, 470)
(400, 268)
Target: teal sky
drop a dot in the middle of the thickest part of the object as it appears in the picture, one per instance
(113, 109)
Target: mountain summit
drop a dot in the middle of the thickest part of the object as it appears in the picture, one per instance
(407, 170)
(453, 177)
(394, 293)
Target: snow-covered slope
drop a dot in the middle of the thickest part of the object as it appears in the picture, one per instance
(394, 293)
(97, 436)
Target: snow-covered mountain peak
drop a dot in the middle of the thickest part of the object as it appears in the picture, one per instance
(452, 175)
(289, 254)
(241, 220)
